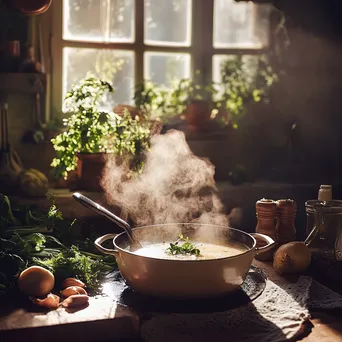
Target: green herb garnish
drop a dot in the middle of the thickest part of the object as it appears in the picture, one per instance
(185, 248)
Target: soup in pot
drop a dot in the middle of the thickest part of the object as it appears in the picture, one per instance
(206, 251)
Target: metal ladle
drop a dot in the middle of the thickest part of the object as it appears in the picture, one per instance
(97, 208)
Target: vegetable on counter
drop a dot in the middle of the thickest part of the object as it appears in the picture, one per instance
(292, 257)
(73, 296)
(186, 248)
(73, 290)
(53, 246)
(51, 301)
(36, 281)
(75, 301)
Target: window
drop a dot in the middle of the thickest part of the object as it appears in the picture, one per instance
(125, 41)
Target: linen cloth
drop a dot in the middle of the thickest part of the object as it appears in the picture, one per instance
(275, 316)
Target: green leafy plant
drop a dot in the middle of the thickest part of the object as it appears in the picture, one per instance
(150, 99)
(88, 129)
(31, 236)
(242, 84)
(185, 248)
(187, 91)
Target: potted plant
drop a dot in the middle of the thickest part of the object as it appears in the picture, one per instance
(195, 100)
(243, 96)
(150, 99)
(243, 85)
(90, 133)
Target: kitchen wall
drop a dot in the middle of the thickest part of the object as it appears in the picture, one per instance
(309, 93)
(19, 93)
(307, 97)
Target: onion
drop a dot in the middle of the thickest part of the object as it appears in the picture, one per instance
(36, 281)
(292, 257)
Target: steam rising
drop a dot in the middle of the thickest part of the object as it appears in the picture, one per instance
(175, 187)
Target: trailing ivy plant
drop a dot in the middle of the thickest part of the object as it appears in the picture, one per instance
(88, 129)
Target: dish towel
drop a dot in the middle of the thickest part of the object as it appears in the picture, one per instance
(275, 316)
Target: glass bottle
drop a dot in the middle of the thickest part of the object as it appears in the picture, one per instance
(324, 222)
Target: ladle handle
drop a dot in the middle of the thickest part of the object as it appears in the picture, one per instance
(90, 204)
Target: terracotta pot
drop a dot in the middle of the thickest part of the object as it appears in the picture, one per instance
(89, 170)
(198, 114)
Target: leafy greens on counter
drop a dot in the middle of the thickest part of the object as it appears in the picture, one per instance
(42, 237)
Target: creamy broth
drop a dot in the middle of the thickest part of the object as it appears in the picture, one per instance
(207, 251)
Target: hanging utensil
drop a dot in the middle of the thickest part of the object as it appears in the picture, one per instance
(35, 135)
(87, 202)
(10, 163)
(31, 7)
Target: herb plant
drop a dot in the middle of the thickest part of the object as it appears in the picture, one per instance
(151, 99)
(182, 249)
(242, 84)
(42, 237)
(187, 91)
(88, 129)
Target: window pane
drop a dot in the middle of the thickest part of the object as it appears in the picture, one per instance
(165, 68)
(240, 24)
(168, 22)
(116, 66)
(98, 20)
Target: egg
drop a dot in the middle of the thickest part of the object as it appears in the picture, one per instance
(36, 281)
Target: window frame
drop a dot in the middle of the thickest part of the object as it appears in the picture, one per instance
(201, 49)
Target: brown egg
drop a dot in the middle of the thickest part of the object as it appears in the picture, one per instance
(36, 281)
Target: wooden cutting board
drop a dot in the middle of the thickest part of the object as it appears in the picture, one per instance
(102, 319)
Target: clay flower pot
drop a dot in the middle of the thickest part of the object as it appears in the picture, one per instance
(198, 114)
(89, 171)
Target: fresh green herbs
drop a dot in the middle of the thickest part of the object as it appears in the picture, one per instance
(73, 263)
(89, 129)
(42, 237)
(183, 247)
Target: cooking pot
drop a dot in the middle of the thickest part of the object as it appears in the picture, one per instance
(183, 278)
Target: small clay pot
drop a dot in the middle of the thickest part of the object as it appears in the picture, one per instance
(89, 171)
(198, 114)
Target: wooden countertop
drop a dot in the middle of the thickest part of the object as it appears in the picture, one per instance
(106, 320)
(325, 327)
(101, 320)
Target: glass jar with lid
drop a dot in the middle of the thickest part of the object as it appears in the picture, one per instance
(324, 226)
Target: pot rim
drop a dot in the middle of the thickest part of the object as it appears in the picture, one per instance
(120, 249)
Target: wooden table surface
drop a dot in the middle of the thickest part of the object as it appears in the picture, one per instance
(326, 327)
(106, 320)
